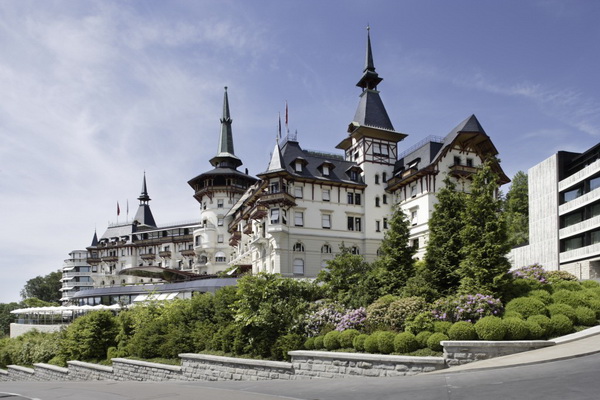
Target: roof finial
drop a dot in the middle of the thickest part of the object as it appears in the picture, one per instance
(370, 78)
(144, 198)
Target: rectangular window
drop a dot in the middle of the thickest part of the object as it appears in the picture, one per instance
(385, 223)
(299, 218)
(573, 243)
(326, 194)
(413, 217)
(275, 215)
(384, 199)
(326, 221)
(298, 267)
(594, 183)
(357, 224)
(350, 198)
(219, 238)
(572, 219)
(377, 226)
(357, 199)
(220, 222)
(298, 192)
(325, 170)
(572, 194)
(415, 243)
(456, 160)
(350, 223)
(413, 191)
(298, 166)
(595, 210)
(595, 237)
(469, 162)
(284, 217)
(274, 187)
(220, 203)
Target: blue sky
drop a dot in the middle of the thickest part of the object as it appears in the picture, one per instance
(94, 93)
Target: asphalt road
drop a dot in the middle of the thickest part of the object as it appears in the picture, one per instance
(570, 379)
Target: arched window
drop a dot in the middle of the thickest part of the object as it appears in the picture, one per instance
(377, 179)
(377, 201)
(354, 250)
(220, 257)
(299, 247)
(326, 249)
(298, 266)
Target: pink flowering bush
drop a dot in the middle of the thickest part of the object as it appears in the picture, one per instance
(470, 307)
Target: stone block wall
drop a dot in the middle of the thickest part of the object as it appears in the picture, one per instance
(463, 352)
(48, 372)
(215, 368)
(82, 371)
(323, 364)
(18, 373)
(134, 370)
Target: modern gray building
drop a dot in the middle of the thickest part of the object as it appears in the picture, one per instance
(564, 214)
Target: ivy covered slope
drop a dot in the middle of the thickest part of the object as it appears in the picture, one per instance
(462, 290)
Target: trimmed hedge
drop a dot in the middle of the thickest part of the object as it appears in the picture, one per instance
(405, 342)
(371, 344)
(490, 328)
(442, 326)
(562, 309)
(516, 329)
(462, 330)
(434, 340)
(542, 295)
(331, 341)
(319, 343)
(560, 325)
(526, 306)
(385, 342)
(585, 316)
(422, 338)
(347, 338)
(535, 330)
(359, 342)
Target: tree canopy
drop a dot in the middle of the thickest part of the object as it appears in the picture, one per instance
(45, 288)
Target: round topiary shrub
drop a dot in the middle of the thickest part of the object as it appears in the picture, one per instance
(560, 325)
(562, 309)
(490, 328)
(541, 295)
(543, 321)
(347, 337)
(359, 342)
(442, 326)
(567, 285)
(371, 344)
(462, 330)
(574, 299)
(434, 340)
(403, 310)
(595, 306)
(385, 342)
(422, 338)
(516, 329)
(309, 344)
(331, 341)
(526, 306)
(535, 330)
(405, 342)
(513, 314)
(319, 343)
(559, 276)
(585, 316)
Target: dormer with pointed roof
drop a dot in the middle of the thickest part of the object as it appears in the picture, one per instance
(143, 216)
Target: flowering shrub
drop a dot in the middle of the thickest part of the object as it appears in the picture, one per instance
(326, 318)
(403, 310)
(353, 319)
(535, 272)
(470, 307)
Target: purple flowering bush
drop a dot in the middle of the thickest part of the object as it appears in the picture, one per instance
(334, 317)
(353, 319)
(469, 307)
(534, 272)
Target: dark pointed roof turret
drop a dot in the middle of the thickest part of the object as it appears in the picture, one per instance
(370, 78)
(225, 154)
(144, 216)
(144, 198)
(94, 240)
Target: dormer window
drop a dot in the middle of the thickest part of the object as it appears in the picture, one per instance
(298, 166)
(325, 170)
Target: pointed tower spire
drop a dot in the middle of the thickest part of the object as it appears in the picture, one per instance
(370, 78)
(144, 216)
(276, 163)
(94, 240)
(225, 154)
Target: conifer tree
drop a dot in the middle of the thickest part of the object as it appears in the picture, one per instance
(444, 256)
(517, 210)
(485, 240)
(396, 264)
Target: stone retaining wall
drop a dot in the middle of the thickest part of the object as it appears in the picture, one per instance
(463, 352)
(215, 368)
(324, 364)
(18, 373)
(134, 370)
(82, 371)
(48, 372)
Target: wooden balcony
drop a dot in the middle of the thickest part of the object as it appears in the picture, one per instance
(110, 259)
(93, 260)
(188, 253)
(165, 254)
(279, 198)
(148, 256)
(463, 170)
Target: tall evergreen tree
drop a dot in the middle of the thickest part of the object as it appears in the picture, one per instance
(517, 210)
(396, 264)
(444, 256)
(485, 240)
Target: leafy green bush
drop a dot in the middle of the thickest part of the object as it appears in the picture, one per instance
(385, 342)
(309, 344)
(433, 342)
(512, 314)
(521, 287)
(516, 329)
(402, 310)
(535, 330)
(405, 342)
(563, 309)
(319, 342)
(331, 341)
(490, 328)
(543, 295)
(347, 338)
(462, 330)
(585, 316)
(554, 277)
(573, 298)
(573, 286)
(469, 307)
(543, 321)
(588, 284)
(285, 344)
(526, 306)
(371, 344)
(201, 335)
(594, 304)
(442, 326)
(359, 342)
(560, 325)
(422, 322)
(29, 348)
(90, 336)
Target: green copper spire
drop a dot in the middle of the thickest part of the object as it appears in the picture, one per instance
(225, 154)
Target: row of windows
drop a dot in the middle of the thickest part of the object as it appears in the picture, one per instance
(584, 187)
(298, 247)
(582, 214)
(582, 240)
